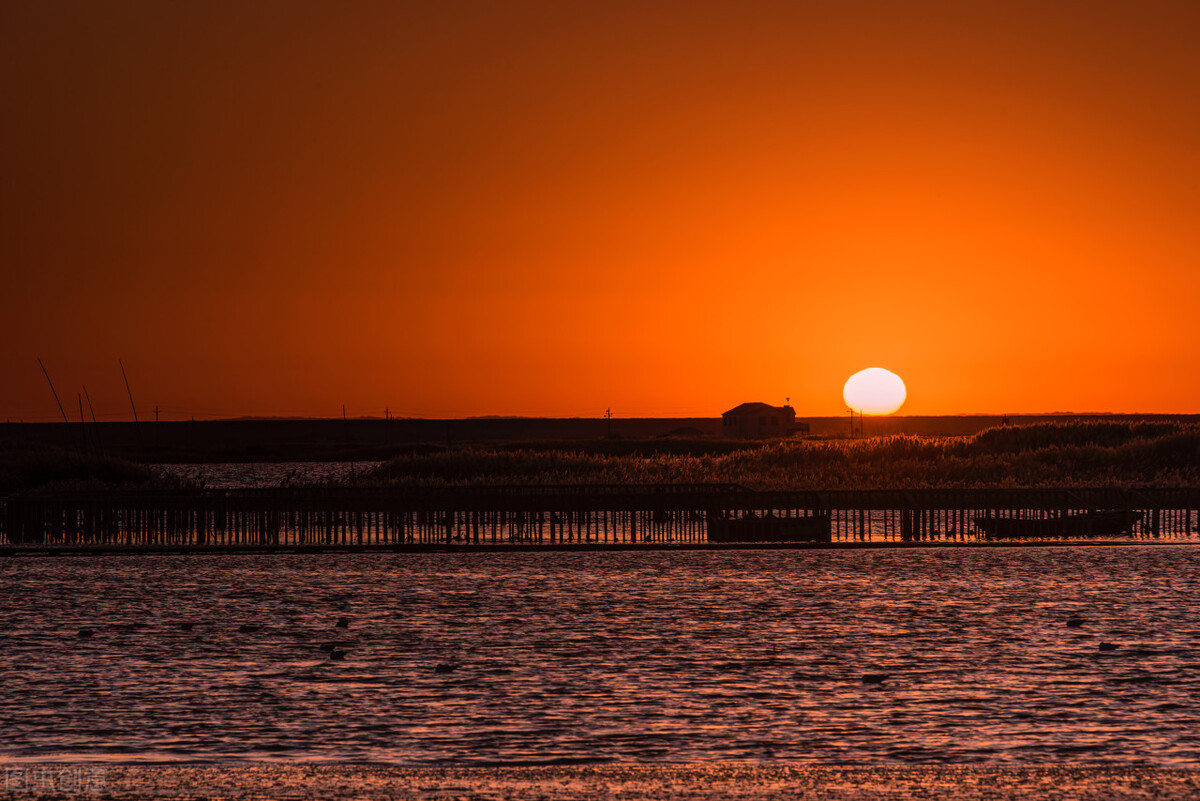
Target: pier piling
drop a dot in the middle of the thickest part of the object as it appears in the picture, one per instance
(562, 515)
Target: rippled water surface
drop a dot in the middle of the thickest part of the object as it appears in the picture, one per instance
(618, 656)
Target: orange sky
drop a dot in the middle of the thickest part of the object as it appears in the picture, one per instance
(453, 209)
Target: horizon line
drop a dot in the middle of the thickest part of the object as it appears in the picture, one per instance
(599, 418)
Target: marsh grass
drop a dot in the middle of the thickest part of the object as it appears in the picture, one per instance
(1038, 455)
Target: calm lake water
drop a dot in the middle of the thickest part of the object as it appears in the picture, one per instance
(751, 656)
(253, 475)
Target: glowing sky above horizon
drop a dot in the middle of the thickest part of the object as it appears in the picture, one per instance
(450, 209)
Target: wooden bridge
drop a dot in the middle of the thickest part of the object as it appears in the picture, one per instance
(547, 515)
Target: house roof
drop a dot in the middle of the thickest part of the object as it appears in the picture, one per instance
(753, 408)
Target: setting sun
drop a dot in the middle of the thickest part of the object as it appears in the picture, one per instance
(874, 391)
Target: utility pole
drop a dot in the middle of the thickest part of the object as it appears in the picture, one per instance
(156, 412)
(608, 416)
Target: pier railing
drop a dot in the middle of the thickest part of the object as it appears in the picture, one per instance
(551, 515)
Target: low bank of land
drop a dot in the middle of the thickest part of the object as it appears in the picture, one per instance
(1102, 453)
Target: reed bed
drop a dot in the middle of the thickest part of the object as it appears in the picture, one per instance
(1133, 454)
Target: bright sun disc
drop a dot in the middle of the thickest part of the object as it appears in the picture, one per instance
(874, 391)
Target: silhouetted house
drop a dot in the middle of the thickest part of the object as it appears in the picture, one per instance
(761, 420)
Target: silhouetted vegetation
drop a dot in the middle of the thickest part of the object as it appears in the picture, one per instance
(52, 469)
(1039, 455)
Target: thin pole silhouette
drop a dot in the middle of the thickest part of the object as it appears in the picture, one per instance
(130, 391)
(89, 400)
(83, 432)
(95, 430)
(52, 390)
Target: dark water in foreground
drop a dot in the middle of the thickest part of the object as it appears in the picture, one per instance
(628, 657)
(707, 781)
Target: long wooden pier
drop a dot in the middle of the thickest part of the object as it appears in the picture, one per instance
(549, 515)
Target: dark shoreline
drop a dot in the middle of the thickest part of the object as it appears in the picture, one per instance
(366, 439)
(13, 551)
